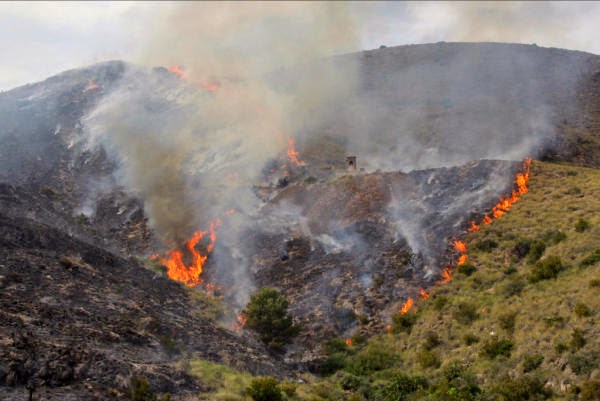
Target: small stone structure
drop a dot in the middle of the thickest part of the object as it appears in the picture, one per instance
(351, 162)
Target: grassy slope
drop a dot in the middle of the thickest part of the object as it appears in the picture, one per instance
(544, 311)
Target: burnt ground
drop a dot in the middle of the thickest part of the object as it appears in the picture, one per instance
(77, 322)
(346, 265)
(79, 315)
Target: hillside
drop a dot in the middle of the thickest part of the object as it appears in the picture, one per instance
(105, 170)
(496, 331)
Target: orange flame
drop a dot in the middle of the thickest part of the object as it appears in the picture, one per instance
(190, 274)
(209, 86)
(349, 342)
(504, 204)
(424, 294)
(446, 275)
(460, 246)
(474, 227)
(293, 154)
(175, 69)
(406, 306)
(240, 322)
(90, 85)
(229, 212)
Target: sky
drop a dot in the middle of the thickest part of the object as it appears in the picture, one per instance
(40, 39)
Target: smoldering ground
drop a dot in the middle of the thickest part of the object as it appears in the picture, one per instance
(193, 153)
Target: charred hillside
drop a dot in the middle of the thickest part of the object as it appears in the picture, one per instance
(104, 166)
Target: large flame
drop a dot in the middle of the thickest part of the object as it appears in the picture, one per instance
(190, 274)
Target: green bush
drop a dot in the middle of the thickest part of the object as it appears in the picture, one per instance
(467, 269)
(351, 382)
(583, 363)
(470, 339)
(561, 347)
(432, 340)
(139, 390)
(497, 347)
(486, 245)
(264, 388)
(267, 315)
(401, 386)
(456, 384)
(521, 388)
(513, 287)
(582, 225)
(465, 313)
(582, 310)
(372, 358)
(536, 251)
(403, 323)
(577, 339)
(554, 321)
(594, 283)
(522, 248)
(590, 390)
(507, 321)
(428, 359)
(554, 236)
(591, 260)
(532, 362)
(440, 301)
(546, 269)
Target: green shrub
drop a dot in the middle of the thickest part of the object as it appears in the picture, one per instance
(467, 269)
(440, 301)
(351, 382)
(583, 364)
(561, 347)
(546, 269)
(522, 248)
(289, 389)
(428, 359)
(577, 339)
(582, 225)
(497, 347)
(403, 323)
(168, 343)
(456, 384)
(465, 313)
(372, 358)
(532, 362)
(590, 390)
(486, 245)
(582, 310)
(507, 321)
(264, 388)
(521, 388)
(536, 251)
(470, 339)
(554, 236)
(401, 386)
(595, 283)
(510, 270)
(513, 287)
(554, 321)
(591, 260)
(267, 315)
(432, 340)
(139, 390)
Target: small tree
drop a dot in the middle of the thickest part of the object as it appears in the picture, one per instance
(267, 315)
(264, 388)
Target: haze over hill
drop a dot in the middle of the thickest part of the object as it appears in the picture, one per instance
(130, 161)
